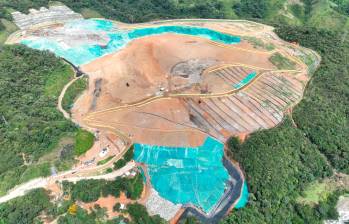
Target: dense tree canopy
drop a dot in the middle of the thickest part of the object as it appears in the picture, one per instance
(140, 215)
(133, 11)
(279, 162)
(30, 124)
(323, 113)
(252, 8)
(91, 190)
(25, 209)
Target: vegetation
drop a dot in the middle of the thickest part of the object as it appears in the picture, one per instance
(282, 62)
(36, 170)
(91, 190)
(279, 163)
(324, 210)
(137, 212)
(65, 157)
(25, 209)
(6, 28)
(315, 193)
(320, 13)
(104, 161)
(258, 43)
(116, 207)
(322, 114)
(140, 215)
(84, 141)
(133, 11)
(251, 8)
(81, 216)
(125, 159)
(30, 124)
(119, 164)
(342, 6)
(73, 92)
(90, 13)
(323, 15)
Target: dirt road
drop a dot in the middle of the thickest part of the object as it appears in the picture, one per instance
(21, 190)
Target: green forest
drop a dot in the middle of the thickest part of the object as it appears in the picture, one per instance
(30, 124)
(317, 13)
(279, 163)
(25, 209)
(73, 92)
(91, 190)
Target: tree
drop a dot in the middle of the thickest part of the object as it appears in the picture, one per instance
(251, 8)
(116, 207)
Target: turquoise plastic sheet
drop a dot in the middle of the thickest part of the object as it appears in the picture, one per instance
(245, 80)
(243, 198)
(193, 175)
(85, 53)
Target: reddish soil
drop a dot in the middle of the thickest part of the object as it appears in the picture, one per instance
(108, 203)
(178, 215)
(142, 70)
(145, 65)
(107, 141)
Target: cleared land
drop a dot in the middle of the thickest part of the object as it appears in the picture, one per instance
(175, 90)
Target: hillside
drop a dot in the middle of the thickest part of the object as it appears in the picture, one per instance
(332, 15)
(305, 152)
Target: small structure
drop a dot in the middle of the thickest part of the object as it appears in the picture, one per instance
(44, 16)
(122, 206)
(89, 162)
(103, 152)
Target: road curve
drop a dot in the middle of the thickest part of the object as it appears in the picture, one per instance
(61, 96)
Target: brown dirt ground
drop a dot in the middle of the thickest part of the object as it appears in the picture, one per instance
(108, 203)
(105, 140)
(145, 65)
(163, 122)
(138, 71)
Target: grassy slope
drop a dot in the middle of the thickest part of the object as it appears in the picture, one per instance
(90, 13)
(10, 27)
(73, 92)
(83, 142)
(315, 192)
(323, 16)
(282, 62)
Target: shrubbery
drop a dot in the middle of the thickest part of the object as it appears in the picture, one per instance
(91, 190)
(83, 142)
(125, 159)
(322, 114)
(73, 92)
(25, 209)
(280, 162)
(30, 82)
(140, 215)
